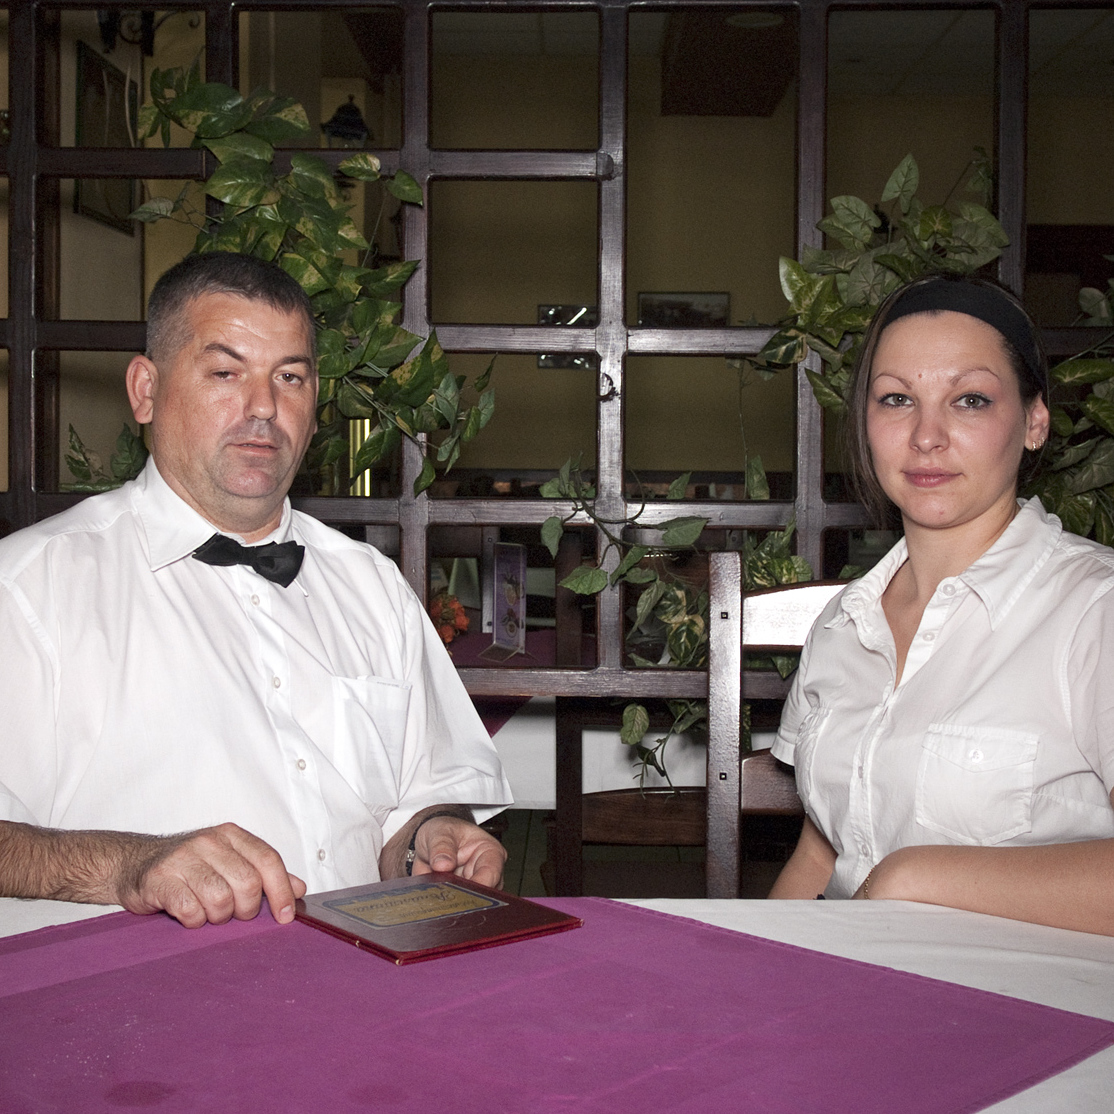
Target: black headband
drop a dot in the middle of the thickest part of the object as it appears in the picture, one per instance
(986, 303)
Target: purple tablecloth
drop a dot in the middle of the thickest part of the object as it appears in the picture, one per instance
(636, 1012)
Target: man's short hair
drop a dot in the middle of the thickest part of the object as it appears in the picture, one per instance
(217, 272)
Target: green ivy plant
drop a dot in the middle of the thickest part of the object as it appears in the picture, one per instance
(834, 292)
(669, 617)
(90, 475)
(370, 368)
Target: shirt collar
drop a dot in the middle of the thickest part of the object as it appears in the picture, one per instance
(1006, 569)
(171, 528)
(998, 577)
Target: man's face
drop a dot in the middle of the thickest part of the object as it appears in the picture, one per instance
(232, 411)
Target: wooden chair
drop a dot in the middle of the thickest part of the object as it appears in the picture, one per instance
(776, 620)
(691, 816)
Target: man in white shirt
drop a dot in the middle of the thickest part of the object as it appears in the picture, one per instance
(284, 705)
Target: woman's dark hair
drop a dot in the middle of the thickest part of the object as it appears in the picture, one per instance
(977, 297)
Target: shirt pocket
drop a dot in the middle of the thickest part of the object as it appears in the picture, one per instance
(975, 784)
(368, 740)
(804, 750)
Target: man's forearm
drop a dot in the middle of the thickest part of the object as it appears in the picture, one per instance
(392, 859)
(93, 867)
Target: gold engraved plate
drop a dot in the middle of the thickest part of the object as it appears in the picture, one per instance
(412, 904)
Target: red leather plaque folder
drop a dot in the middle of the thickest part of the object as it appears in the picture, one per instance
(407, 920)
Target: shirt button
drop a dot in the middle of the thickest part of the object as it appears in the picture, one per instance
(255, 600)
(948, 589)
(975, 756)
(276, 682)
(321, 854)
(301, 763)
(929, 636)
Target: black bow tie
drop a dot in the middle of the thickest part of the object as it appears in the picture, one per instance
(277, 561)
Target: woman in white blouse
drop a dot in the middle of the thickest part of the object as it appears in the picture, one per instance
(952, 721)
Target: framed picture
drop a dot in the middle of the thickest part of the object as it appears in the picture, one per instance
(684, 311)
(583, 317)
(106, 101)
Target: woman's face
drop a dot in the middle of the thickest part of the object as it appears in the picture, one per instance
(945, 421)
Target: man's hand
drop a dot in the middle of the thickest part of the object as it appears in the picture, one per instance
(451, 844)
(460, 847)
(210, 875)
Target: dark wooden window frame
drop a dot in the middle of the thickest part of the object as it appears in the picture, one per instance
(34, 164)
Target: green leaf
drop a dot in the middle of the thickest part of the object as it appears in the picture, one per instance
(1104, 518)
(1077, 512)
(381, 442)
(77, 459)
(1073, 454)
(825, 393)
(210, 110)
(1100, 411)
(1096, 305)
(308, 276)
(679, 486)
(552, 530)
(1071, 372)
(647, 602)
(640, 576)
(241, 145)
(852, 224)
(362, 167)
(354, 400)
(687, 641)
(787, 346)
(156, 209)
(903, 183)
(481, 383)
(585, 580)
(798, 286)
(1061, 422)
(130, 455)
(636, 722)
(405, 188)
(282, 119)
(935, 224)
(243, 182)
(1096, 471)
(427, 475)
(386, 280)
(865, 284)
(682, 531)
(986, 223)
(757, 485)
(627, 564)
(311, 175)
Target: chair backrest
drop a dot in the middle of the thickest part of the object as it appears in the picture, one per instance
(778, 620)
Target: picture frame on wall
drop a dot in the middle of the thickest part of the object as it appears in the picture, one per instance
(106, 101)
(698, 310)
(575, 316)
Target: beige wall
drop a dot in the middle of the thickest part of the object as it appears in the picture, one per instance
(101, 274)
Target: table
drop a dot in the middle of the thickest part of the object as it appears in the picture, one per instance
(1067, 970)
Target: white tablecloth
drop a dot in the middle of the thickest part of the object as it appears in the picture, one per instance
(1068, 970)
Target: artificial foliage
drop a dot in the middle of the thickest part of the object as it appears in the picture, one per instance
(668, 610)
(369, 366)
(834, 292)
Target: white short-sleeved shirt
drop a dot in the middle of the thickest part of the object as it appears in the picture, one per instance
(1001, 731)
(145, 691)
